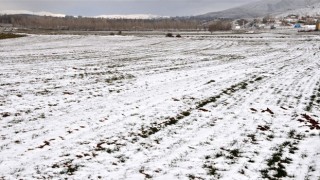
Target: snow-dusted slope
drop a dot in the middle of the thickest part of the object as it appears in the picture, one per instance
(313, 10)
(131, 16)
(261, 8)
(41, 13)
(228, 107)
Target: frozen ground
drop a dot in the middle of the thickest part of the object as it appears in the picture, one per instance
(229, 107)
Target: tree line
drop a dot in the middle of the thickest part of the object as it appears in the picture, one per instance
(102, 24)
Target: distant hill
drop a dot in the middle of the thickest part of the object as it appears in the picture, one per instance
(42, 13)
(313, 10)
(131, 16)
(261, 8)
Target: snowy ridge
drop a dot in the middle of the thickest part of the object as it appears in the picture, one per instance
(44, 13)
(219, 107)
(131, 16)
(41, 13)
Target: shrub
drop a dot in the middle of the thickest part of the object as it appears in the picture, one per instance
(7, 36)
(169, 35)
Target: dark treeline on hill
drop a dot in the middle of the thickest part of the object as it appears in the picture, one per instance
(100, 24)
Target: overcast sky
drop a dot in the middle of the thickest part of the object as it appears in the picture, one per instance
(107, 7)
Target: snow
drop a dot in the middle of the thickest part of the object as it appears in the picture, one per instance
(313, 10)
(126, 107)
(111, 16)
(41, 13)
(131, 16)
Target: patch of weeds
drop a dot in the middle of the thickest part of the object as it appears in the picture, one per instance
(276, 163)
(15, 121)
(258, 79)
(304, 155)
(253, 138)
(42, 116)
(311, 169)
(284, 144)
(229, 91)
(207, 101)
(313, 134)
(270, 136)
(292, 149)
(268, 110)
(299, 136)
(243, 85)
(122, 158)
(46, 143)
(212, 171)
(235, 152)
(313, 124)
(43, 92)
(185, 113)
(291, 133)
(309, 107)
(275, 158)
(219, 154)
(281, 172)
(156, 127)
(263, 128)
(265, 174)
(70, 169)
(149, 131)
(211, 81)
(286, 160)
(5, 114)
(191, 177)
(118, 78)
(313, 100)
(10, 35)
(241, 171)
(142, 171)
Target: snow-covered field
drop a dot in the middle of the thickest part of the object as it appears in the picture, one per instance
(124, 107)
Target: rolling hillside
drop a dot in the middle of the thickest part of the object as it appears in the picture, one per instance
(261, 8)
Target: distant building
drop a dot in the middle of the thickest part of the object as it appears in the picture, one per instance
(297, 25)
(310, 27)
(293, 16)
(237, 27)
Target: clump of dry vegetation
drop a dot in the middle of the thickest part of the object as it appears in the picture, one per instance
(10, 35)
(220, 26)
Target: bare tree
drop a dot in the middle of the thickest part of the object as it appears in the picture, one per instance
(220, 26)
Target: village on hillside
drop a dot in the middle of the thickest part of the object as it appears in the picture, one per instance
(292, 21)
